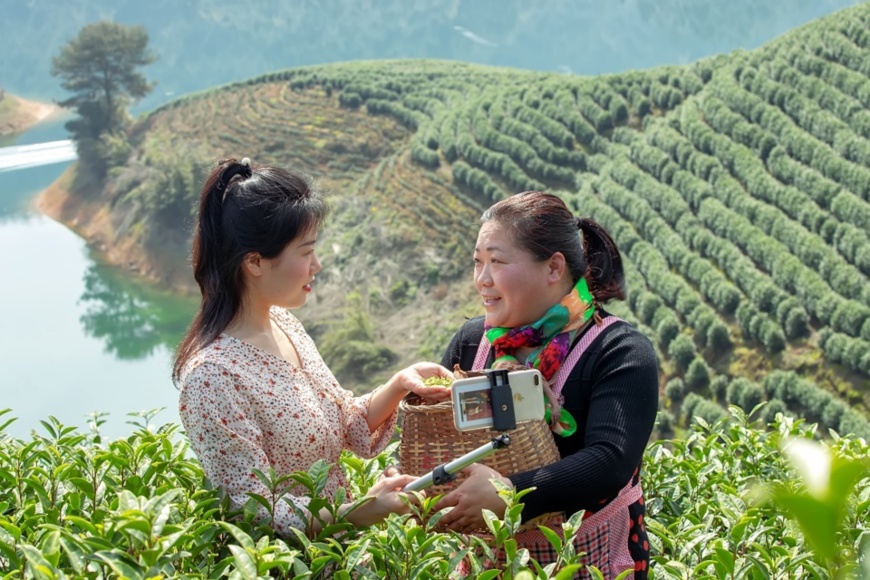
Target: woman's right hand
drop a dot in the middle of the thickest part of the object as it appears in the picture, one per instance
(411, 379)
(384, 497)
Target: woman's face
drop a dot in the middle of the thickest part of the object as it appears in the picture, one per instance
(516, 288)
(288, 276)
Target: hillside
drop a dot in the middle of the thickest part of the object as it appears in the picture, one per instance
(738, 189)
(17, 114)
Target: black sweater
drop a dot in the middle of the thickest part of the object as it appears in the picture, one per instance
(615, 413)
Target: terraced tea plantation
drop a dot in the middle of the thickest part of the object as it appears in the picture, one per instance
(738, 189)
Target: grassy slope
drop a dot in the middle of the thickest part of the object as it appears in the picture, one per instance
(738, 189)
(18, 115)
(11, 111)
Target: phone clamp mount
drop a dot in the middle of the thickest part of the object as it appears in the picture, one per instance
(503, 415)
(503, 418)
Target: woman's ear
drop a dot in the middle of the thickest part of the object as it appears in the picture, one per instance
(252, 264)
(558, 268)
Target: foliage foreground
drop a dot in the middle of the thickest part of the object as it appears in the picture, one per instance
(728, 501)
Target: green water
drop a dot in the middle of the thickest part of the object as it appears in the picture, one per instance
(77, 336)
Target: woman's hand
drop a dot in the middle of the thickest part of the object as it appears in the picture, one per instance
(469, 500)
(384, 498)
(411, 379)
(385, 399)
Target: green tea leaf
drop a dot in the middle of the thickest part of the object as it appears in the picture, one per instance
(120, 565)
(552, 537)
(241, 537)
(245, 564)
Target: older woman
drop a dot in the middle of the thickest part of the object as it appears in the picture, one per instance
(542, 275)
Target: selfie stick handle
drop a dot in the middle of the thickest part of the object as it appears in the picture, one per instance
(447, 471)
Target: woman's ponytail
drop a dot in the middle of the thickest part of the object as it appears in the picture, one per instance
(211, 268)
(208, 240)
(604, 272)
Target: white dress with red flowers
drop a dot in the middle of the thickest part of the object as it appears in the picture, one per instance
(244, 409)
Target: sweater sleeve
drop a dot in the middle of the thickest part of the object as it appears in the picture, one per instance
(622, 410)
(228, 444)
(463, 346)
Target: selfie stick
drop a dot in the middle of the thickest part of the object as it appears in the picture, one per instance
(447, 471)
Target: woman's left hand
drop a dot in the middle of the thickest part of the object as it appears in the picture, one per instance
(469, 500)
(411, 379)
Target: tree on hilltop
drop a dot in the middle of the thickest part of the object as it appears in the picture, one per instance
(101, 67)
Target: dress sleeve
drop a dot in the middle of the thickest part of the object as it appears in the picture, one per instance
(621, 414)
(358, 437)
(228, 444)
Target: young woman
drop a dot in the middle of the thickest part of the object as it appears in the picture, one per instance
(542, 275)
(255, 393)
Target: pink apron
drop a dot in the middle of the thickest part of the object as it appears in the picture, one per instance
(603, 535)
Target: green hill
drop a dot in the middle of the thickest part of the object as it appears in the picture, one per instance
(738, 189)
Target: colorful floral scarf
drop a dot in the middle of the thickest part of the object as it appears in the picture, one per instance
(551, 336)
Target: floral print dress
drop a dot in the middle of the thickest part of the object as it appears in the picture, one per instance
(244, 409)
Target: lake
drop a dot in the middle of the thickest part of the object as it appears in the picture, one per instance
(78, 336)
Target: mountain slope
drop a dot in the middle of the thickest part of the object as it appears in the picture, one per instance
(17, 114)
(738, 189)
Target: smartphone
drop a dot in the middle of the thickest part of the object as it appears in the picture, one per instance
(472, 402)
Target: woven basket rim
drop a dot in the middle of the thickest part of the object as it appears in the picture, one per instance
(415, 403)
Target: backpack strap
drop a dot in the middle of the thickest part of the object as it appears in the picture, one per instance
(567, 366)
(482, 354)
(577, 352)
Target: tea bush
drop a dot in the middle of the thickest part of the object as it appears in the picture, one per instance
(74, 505)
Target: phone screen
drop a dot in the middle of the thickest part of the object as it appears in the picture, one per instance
(475, 405)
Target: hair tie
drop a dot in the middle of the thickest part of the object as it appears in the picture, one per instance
(242, 168)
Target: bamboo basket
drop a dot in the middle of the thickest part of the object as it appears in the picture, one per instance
(429, 438)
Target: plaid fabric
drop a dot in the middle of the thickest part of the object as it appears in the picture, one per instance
(594, 543)
(603, 539)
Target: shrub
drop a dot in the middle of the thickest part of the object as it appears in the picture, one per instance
(688, 406)
(665, 423)
(154, 515)
(853, 423)
(833, 412)
(718, 387)
(770, 410)
(698, 374)
(751, 396)
(709, 411)
(675, 390)
(350, 100)
(735, 390)
(667, 330)
(647, 307)
(718, 337)
(682, 350)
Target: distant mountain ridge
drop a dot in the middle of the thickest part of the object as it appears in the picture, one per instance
(203, 43)
(738, 189)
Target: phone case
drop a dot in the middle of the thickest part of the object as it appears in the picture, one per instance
(472, 401)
